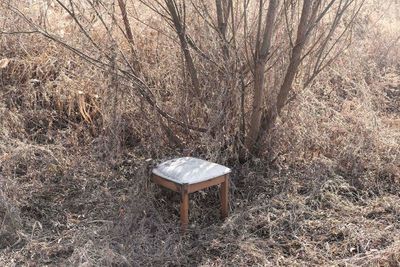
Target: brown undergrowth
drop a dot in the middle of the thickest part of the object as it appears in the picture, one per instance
(326, 193)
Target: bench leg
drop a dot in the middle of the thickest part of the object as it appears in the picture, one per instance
(224, 190)
(184, 207)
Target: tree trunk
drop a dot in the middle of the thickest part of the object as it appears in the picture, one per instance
(258, 101)
(269, 118)
(259, 79)
(295, 59)
(223, 11)
(180, 30)
(129, 35)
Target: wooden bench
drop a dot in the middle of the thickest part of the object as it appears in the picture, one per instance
(187, 175)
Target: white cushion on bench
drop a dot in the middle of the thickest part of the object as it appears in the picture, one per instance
(189, 170)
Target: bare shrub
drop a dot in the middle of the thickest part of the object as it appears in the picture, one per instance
(323, 189)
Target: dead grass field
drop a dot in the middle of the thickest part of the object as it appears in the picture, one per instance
(327, 193)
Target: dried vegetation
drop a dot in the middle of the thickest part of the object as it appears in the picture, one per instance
(74, 168)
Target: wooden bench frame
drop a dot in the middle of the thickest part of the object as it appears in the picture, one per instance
(186, 189)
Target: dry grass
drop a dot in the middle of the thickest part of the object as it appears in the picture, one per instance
(327, 192)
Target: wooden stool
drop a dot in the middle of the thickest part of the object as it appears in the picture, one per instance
(188, 175)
